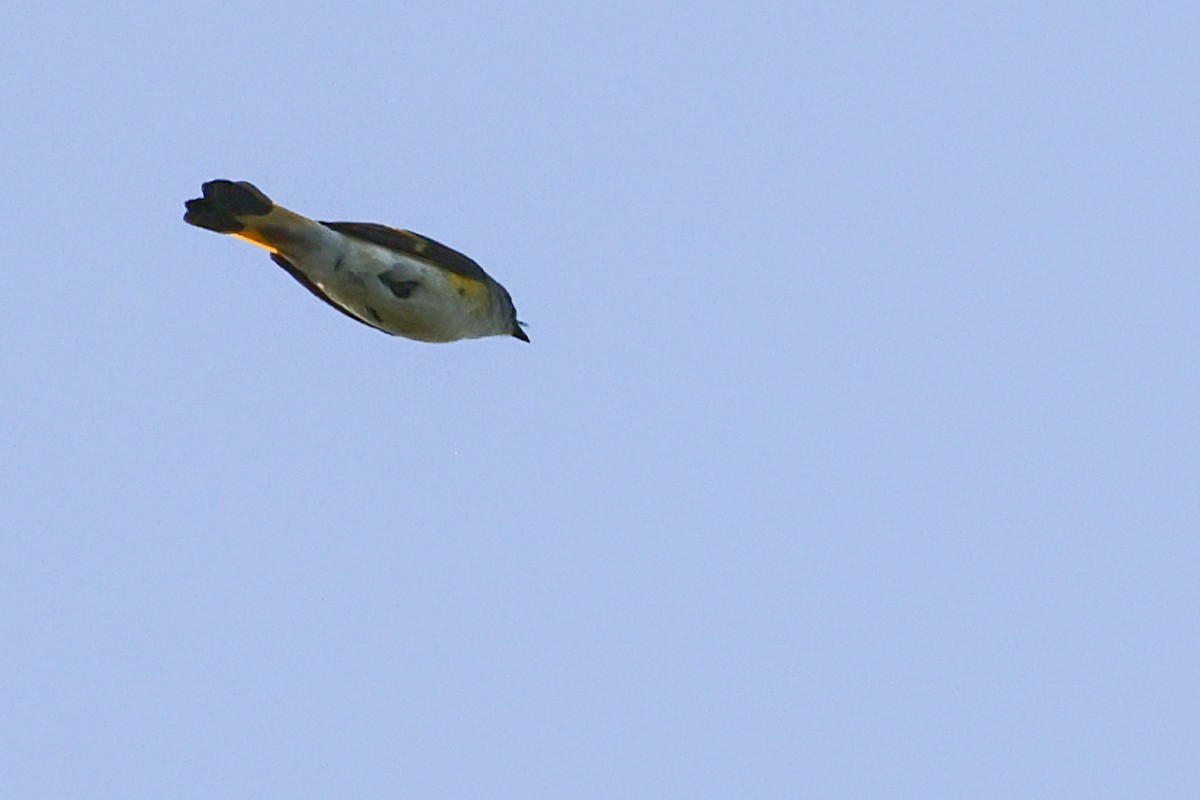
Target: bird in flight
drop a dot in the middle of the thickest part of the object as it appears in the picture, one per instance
(394, 280)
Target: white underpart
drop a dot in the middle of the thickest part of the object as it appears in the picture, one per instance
(347, 270)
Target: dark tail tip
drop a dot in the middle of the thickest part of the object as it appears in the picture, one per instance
(223, 202)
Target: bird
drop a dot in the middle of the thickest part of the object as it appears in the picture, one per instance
(393, 280)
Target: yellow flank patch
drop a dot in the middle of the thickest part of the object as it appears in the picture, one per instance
(474, 293)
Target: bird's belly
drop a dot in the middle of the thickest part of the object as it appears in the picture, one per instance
(407, 298)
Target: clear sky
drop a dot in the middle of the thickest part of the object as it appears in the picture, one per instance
(855, 453)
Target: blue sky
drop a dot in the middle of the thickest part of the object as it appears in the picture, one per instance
(854, 454)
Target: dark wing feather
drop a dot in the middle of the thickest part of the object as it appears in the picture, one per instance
(307, 283)
(412, 244)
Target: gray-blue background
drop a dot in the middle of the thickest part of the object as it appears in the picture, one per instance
(855, 453)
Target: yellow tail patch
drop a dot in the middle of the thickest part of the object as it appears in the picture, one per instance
(255, 236)
(274, 229)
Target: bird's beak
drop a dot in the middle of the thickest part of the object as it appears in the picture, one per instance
(520, 334)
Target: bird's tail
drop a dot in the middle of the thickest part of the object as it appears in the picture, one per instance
(242, 210)
(223, 203)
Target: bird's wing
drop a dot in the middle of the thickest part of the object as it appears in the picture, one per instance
(311, 285)
(412, 244)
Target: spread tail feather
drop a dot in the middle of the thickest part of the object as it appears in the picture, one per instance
(241, 210)
(224, 203)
